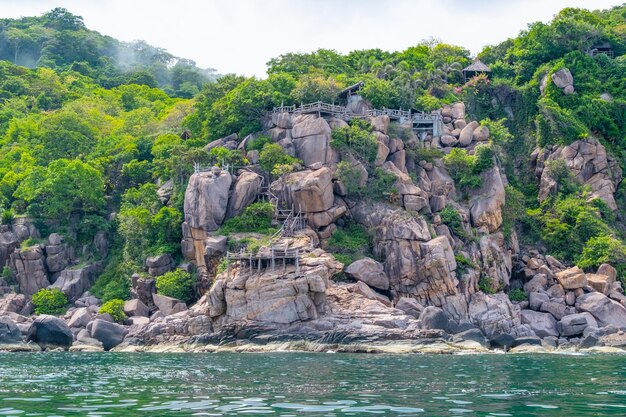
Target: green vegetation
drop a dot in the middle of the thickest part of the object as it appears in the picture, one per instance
(178, 284)
(463, 264)
(518, 295)
(115, 308)
(223, 157)
(451, 218)
(49, 301)
(350, 243)
(357, 140)
(604, 249)
(275, 161)
(486, 284)
(256, 218)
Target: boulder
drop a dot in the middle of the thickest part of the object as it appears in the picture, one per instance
(410, 307)
(458, 110)
(467, 133)
(15, 303)
(8, 243)
(9, 332)
(543, 324)
(143, 289)
(168, 305)
(608, 270)
(370, 272)
(282, 120)
(572, 278)
(575, 324)
(435, 318)
(558, 310)
(74, 282)
(604, 310)
(481, 134)
(380, 123)
(537, 283)
(601, 283)
(136, 308)
(448, 140)
(496, 315)
(80, 318)
(562, 78)
(382, 151)
(308, 191)
(30, 268)
(486, 203)
(206, 199)
(311, 136)
(215, 246)
(535, 300)
(109, 334)
(363, 289)
(159, 264)
(245, 192)
(50, 332)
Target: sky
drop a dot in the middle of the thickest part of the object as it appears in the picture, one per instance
(240, 36)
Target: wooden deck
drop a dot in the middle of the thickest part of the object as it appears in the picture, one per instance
(421, 121)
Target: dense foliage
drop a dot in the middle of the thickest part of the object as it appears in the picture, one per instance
(49, 301)
(178, 284)
(115, 308)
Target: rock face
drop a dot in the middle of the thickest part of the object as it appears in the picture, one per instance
(9, 332)
(266, 297)
(50, 332)
(8, 243)
(604, 310)
(247, 187)
(370, 272)
(206, 199)
(486, 204)
(308, 191)
(109, 334)
(495, 315)
(74, 282)
(57, 257)
(590, 165)
(168, 305)
(311, 137)
(30, 268)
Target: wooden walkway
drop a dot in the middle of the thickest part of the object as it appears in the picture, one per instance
(257, 262)
(422, 122)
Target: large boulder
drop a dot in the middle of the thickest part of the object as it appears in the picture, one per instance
(168, 305)
(135, 307)
(496, 259)
(57, 257)
(8, 243)
(246, 190)
(74, 282)
(543, 324)
(496, 315)
(206, 199)
(575, 324)
(563, 79)
(572, 278)
(80, 318)
(159, 264)
(603, 309)
(311, 138)
(486, 202)
(30, 268)
(307, 191)
(143, 289)
(109, 334)
(435, 318)
(370, 272)
(601, 283)
(467, 133)
(15, 303)
(50, 332)
(9, 332)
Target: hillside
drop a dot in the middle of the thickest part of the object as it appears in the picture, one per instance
(416, 205)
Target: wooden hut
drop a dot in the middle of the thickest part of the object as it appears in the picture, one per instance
(477, 67)
(603, 48)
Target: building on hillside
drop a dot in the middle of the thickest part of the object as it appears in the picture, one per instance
(477, 67)
(602, 48)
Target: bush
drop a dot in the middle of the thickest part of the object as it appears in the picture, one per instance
(514, 210)
(381, 184)
(349, 243)
(256, 218)
(351, 177)
(50, 301)
(483, 159)
(272, 158)
(178, 284)
(463, 264)
(451, 218)
(258, 143)
(7, 216)
(485, 284)
(223, 157)
(461, 168)
(7, 275)
(518, 295)
(604, 249)
(115, 308)
(356, 139)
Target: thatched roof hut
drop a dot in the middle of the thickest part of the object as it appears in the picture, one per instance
(477, 67)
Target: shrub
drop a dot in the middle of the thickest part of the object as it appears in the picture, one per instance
(115, 308)
(461, 167)
(258, 143)
(483, 159)
(7, 275)
(556, 125)
(256, 218)
(349, 243)
(178, 284)
(272, 158)
(223, 156)
(49, 301)
(356, 139)
(7, 216)
(463, 263)
(381, 184)
(451, 218)
(485, 284)
(423, 153)
(351, 177)
(513, 210)
(518, 295)
(604, 249)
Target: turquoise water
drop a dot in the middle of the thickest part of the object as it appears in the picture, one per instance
(290, 384)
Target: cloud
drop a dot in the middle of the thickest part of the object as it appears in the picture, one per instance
(241, 36)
